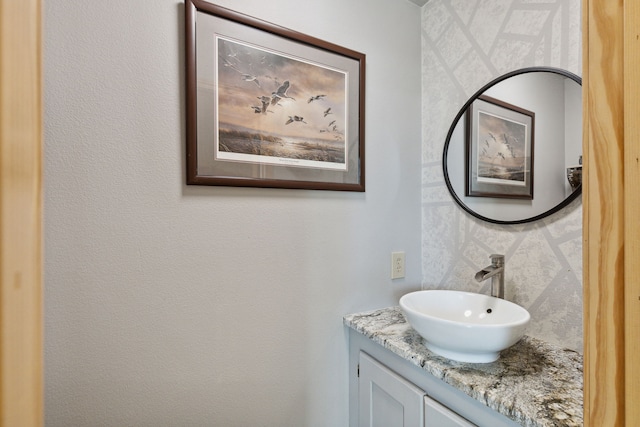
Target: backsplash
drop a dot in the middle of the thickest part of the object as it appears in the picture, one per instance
(466, 44)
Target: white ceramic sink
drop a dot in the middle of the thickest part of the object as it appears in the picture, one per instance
(465, 326)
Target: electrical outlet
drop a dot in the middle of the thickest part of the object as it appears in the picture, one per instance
(397, 265)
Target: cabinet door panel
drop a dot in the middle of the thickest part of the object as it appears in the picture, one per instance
(387, 399)
(436, 415)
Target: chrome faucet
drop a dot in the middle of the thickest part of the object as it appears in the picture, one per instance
(496, 272)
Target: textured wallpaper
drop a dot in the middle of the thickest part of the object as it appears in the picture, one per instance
(466, 44)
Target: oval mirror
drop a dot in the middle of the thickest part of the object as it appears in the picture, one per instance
(513, 153)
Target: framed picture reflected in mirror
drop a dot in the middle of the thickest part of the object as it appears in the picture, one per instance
(499, 150)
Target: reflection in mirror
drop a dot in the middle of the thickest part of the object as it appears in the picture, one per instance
(477, 157)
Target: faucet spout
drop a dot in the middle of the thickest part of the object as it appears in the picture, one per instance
(496, 272)
(488, 272)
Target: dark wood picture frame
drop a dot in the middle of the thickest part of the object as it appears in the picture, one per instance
(499, 150)
(270, 107)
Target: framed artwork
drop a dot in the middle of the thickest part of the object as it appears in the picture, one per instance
(499, 150)
(270, 107)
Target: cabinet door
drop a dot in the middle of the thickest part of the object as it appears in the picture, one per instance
(436, 415)
(387, 399)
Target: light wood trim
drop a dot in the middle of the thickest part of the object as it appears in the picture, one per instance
(20, 214)
(603, 222)
(632, 209)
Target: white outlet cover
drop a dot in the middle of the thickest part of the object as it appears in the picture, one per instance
(397, 265)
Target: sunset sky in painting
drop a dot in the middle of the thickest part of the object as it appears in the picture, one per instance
(498, 136)
(246, 73)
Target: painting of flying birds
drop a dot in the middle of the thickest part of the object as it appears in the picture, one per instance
(500, 150)
(272, 105)
(268, 106)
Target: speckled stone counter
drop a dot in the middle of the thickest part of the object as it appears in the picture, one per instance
(532, 383)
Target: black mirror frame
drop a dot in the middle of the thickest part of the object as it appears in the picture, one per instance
(574, 195)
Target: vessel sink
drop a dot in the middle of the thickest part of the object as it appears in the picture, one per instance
(464, 326)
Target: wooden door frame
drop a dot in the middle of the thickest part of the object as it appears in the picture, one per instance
(21, 384)
(631, 211)
(611, 203)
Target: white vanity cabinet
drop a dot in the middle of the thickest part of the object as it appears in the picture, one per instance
(386, 390)
(388, 400)
(437, 415)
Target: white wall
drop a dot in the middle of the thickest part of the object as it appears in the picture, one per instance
(464, 46)
(573, 135)
(168, 304)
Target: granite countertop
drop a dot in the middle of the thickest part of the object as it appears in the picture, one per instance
(533, 383)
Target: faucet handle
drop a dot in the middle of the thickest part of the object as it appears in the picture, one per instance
(497, 260)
